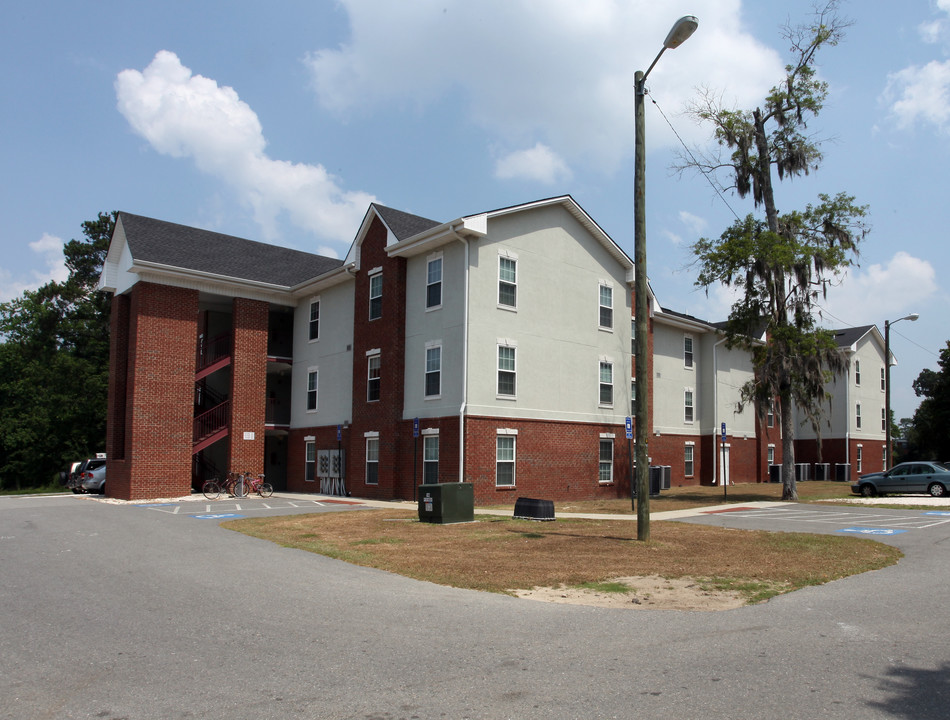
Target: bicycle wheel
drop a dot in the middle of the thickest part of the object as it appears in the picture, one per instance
(211, 490)
(240, 488)
(265, 490)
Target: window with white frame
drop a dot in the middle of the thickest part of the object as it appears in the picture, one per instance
(434, 282)
(505, 460)
(606, 383)
(688, 405)
(314, 323)
(313, 384)
(883, 381)
(883, 421)
(430, 459)
(310, 461)
(771, 455)
(633, 336)
(507, 281)
(376, 296)
(859, 457)
(506, 370)
(688, 351)
(857, 416)
(433, 380)
(373, 373)
(606, 314)
(606, 472)
(770, 414)
(372, 461)
(633, 396)
(857, 372)
(689, 468)
(883, 457)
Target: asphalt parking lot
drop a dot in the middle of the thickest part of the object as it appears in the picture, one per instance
(200, 508)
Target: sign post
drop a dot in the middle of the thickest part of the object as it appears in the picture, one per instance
(633, 489)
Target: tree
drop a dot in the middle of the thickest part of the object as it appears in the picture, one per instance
(54, 366)
(933, 414)
(781, 265)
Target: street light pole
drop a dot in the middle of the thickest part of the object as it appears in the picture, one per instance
(887, 386)
(681, 30)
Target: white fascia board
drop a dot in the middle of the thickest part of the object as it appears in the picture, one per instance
(334, 277)
(472, 226)
(211, 282)
(683, 323)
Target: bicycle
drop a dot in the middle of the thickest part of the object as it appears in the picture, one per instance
(258, 485)
(214, 487)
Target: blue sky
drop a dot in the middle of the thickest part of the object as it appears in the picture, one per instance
(281, 121)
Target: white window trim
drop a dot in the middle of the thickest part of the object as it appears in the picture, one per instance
(692, 393)
(692, 446)
(431, 258)
(369, 437)
(316, 391)
(313, 300)
(692, 351)
(431, 345)
(600, 442)
(373, 274)
(309, 441)
(857, 372)
(514, 346)
(369, 356)
(514, 458)
(610, 286)
(507, 255)
(610, 362)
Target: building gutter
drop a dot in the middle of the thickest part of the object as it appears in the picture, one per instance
(716, 407)
(465, 312)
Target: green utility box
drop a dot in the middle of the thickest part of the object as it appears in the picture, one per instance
(447, 503)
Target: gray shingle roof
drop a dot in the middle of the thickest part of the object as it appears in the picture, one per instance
(189, 248)
(402, 224)
(846, 337)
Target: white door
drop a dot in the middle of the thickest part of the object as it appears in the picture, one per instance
(724, 465)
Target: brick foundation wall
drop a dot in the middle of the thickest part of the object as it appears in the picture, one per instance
(553, 460)
(160, 336)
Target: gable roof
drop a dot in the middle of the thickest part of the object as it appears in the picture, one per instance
(402, 224)
(847, 337)
(173, 246)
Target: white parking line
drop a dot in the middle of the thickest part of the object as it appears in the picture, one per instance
(844, 517)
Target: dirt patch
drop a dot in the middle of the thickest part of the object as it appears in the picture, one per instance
(646, 593)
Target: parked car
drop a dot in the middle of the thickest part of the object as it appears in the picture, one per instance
(88, 465)
(908, 477)
(94, 480)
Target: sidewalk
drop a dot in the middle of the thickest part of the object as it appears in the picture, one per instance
(509, 510)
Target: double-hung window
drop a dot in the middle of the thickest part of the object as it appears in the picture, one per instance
(313, 384)
(372, 461)
(857, 416)
(433, 380)
(376, 296)
(633, 396)
(883, 381)
(606, 383)
(434, 282)
(688, 405)
(857, 372)
(506, 370)
(688, 351)
(505, 460)
(310, 461)
(606, 471)
(688, 467)
(373, 372)
(314, 323)
(883, 420)
(507, 281)
(606, 316)
(430, 459)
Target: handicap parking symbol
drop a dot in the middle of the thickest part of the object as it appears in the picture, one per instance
(872, 531)
(218, 516)
(938, 513)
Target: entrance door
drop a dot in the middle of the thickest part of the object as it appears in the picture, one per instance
(724, 465)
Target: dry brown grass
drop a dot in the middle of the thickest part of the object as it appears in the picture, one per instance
(500, 554)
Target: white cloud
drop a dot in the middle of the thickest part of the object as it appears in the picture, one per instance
(539, 163)
(868, 296)
(190, 116)
(920, 94)
(559, 73)
(695, 224)
(50, 250)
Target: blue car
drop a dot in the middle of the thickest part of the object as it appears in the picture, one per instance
(932, 478)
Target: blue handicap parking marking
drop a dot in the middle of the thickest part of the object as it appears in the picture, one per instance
(872, 531)
(939, 513)
(155, 505)
(218, 516)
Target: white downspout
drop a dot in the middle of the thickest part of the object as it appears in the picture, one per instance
(465, 312)
(715, 424)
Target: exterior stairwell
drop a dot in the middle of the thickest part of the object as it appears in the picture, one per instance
(212, 410)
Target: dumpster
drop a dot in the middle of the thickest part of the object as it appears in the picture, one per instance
(447, 503)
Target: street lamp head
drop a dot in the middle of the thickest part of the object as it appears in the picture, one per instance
(912, 317)
(680, 32)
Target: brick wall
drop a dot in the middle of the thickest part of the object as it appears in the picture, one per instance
(161, 334)
(248, 385)
(553, 460)
(387, 333)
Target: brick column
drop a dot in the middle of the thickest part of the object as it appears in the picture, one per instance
(248, 385)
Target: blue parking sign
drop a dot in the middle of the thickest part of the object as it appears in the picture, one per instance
(629, 426)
